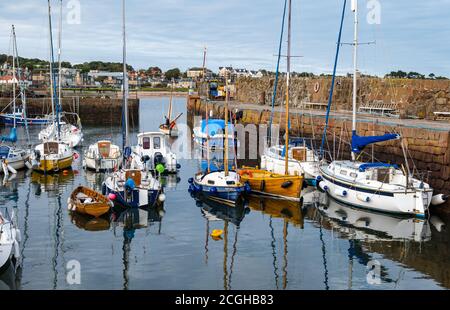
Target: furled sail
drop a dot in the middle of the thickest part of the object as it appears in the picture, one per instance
(359, 142)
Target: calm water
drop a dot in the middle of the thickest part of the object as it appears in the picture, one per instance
(266, 244)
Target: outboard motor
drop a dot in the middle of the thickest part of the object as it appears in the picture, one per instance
(37, 154)
(159, 159)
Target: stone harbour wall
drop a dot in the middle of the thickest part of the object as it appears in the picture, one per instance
(92, 111)
(414, 98)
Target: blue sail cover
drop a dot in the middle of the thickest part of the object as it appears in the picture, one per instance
(359, 143)
(216, 126)
(12, 136)
(364, 167)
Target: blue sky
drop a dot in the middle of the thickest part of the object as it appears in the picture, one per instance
(412, 35)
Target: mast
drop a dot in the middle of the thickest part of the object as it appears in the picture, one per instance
(59, 49)
(288, 75)
(169, 114)
(21, 86)
(14, 79)
(204, 63)
(55, 103)
(355, 67)
(225, 157)
(277, 74)
(125, 82)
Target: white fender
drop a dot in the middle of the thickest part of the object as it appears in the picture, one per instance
(162, 197)
(439, 199)
(11, 169)
(323, 186)
(16, 249)
(5, 169)
(363, 198)
(340, 192)
(437, 223)
(18, 235)
(28, 164)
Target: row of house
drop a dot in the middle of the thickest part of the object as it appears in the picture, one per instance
(70, 77)
(237, 73)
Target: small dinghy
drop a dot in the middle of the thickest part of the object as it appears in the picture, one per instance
(84, 200)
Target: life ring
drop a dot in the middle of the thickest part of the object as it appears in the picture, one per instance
(316, 87)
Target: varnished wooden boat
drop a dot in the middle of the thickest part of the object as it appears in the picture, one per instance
(274, 185)
(87, 201)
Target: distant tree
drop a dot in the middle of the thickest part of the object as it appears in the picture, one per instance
(431, 76)
(397, 74)
(415, 75)
(154, 72)
(173, 74)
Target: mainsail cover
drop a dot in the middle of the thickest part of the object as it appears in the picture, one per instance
(359, 142)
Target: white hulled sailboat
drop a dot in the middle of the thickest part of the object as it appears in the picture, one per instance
(375, 186)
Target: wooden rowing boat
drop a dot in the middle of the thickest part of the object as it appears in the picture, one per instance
(288, 187)
(84, 200)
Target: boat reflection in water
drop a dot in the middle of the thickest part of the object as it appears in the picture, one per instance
(130, 220)
(170, 181)
(52, 183)
(400, 239)
(216, 212)
(9, 278)
(290, 211)
(90, 223)
(367, 225)
(94, 180)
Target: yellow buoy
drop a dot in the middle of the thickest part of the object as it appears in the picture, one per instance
(216, 233)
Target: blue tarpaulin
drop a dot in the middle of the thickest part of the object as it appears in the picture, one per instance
(364, 167)
(359, 143)
(12, 136)
(216, 126)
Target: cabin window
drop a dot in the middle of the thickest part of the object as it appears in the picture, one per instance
(231, 183)
(344, 172)
(211, 182)
(383, 175)
(353, 175)
(156, 142)
(146, 143)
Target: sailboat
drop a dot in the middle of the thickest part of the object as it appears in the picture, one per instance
(61, 130)
(13, 158)
(52, 155)
(263, 182)
(131, 187)
(376, 186)
(302, 158)
(170, 125)
(223, 186)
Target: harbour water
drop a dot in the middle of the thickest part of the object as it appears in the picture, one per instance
(265, 245)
